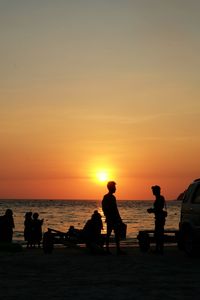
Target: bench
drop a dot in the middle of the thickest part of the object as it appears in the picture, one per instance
(146, 237)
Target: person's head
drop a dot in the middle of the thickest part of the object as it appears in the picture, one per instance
(111, 185)
(35, 216)
(96, 215)
(9, 212)
(28, 215)
(155, 190)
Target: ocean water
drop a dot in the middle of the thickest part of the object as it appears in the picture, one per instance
(60, 214)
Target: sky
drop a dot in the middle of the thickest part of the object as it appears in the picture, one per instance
(99, 86)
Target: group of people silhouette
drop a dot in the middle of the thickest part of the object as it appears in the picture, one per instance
(32, 229)
(114, 221)
(93, 227)
(91, 232)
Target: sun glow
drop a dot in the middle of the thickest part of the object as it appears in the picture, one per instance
(102, 176)
(100, 171)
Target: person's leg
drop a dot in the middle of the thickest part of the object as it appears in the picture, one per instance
(108, 233)
(159, 237)
(156, 235)
(117, 237)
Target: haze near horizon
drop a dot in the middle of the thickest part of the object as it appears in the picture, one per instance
(98, 90)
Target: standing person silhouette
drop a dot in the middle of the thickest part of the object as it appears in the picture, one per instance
(28, 229)
(113, 219)
(37, 230)
(160, 215)
(6, 226)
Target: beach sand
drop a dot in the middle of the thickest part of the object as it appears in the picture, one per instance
(75, 274)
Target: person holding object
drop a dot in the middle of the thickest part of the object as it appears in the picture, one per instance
(160, 216)
(113, 219)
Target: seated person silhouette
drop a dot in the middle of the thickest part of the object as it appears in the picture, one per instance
(48, 243)
(74, 235)
(92, 234)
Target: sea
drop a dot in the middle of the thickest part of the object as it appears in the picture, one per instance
(61, 214)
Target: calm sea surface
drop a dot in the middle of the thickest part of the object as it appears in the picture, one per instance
(60, 214)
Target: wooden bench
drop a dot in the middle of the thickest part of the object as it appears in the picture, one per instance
(66, 238)
(146, 237)
(71, 238)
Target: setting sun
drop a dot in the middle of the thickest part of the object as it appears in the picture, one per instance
(102, 176)
(99, 77)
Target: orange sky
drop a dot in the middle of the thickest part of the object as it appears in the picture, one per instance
(87, 86)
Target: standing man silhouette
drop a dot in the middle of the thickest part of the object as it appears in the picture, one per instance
(113, 219)
(160, 216)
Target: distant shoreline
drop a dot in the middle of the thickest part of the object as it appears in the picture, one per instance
(45, 199)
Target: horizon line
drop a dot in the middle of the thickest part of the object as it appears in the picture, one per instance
(76, 199)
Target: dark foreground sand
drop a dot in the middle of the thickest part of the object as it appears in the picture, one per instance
(75, 274)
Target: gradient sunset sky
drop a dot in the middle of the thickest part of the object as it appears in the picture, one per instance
(99, 85)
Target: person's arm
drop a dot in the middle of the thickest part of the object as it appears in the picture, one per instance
(151, 210)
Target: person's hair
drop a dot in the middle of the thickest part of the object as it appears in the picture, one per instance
(35, 215)
(111, 184)
(155, 188)
(9, 212)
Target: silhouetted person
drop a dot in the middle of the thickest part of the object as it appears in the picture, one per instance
(113, 219)
(6, 226)
(37, 230)
(48, 242)
(160, 215)
(28, 229)
(73, 234)
(92, 233)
